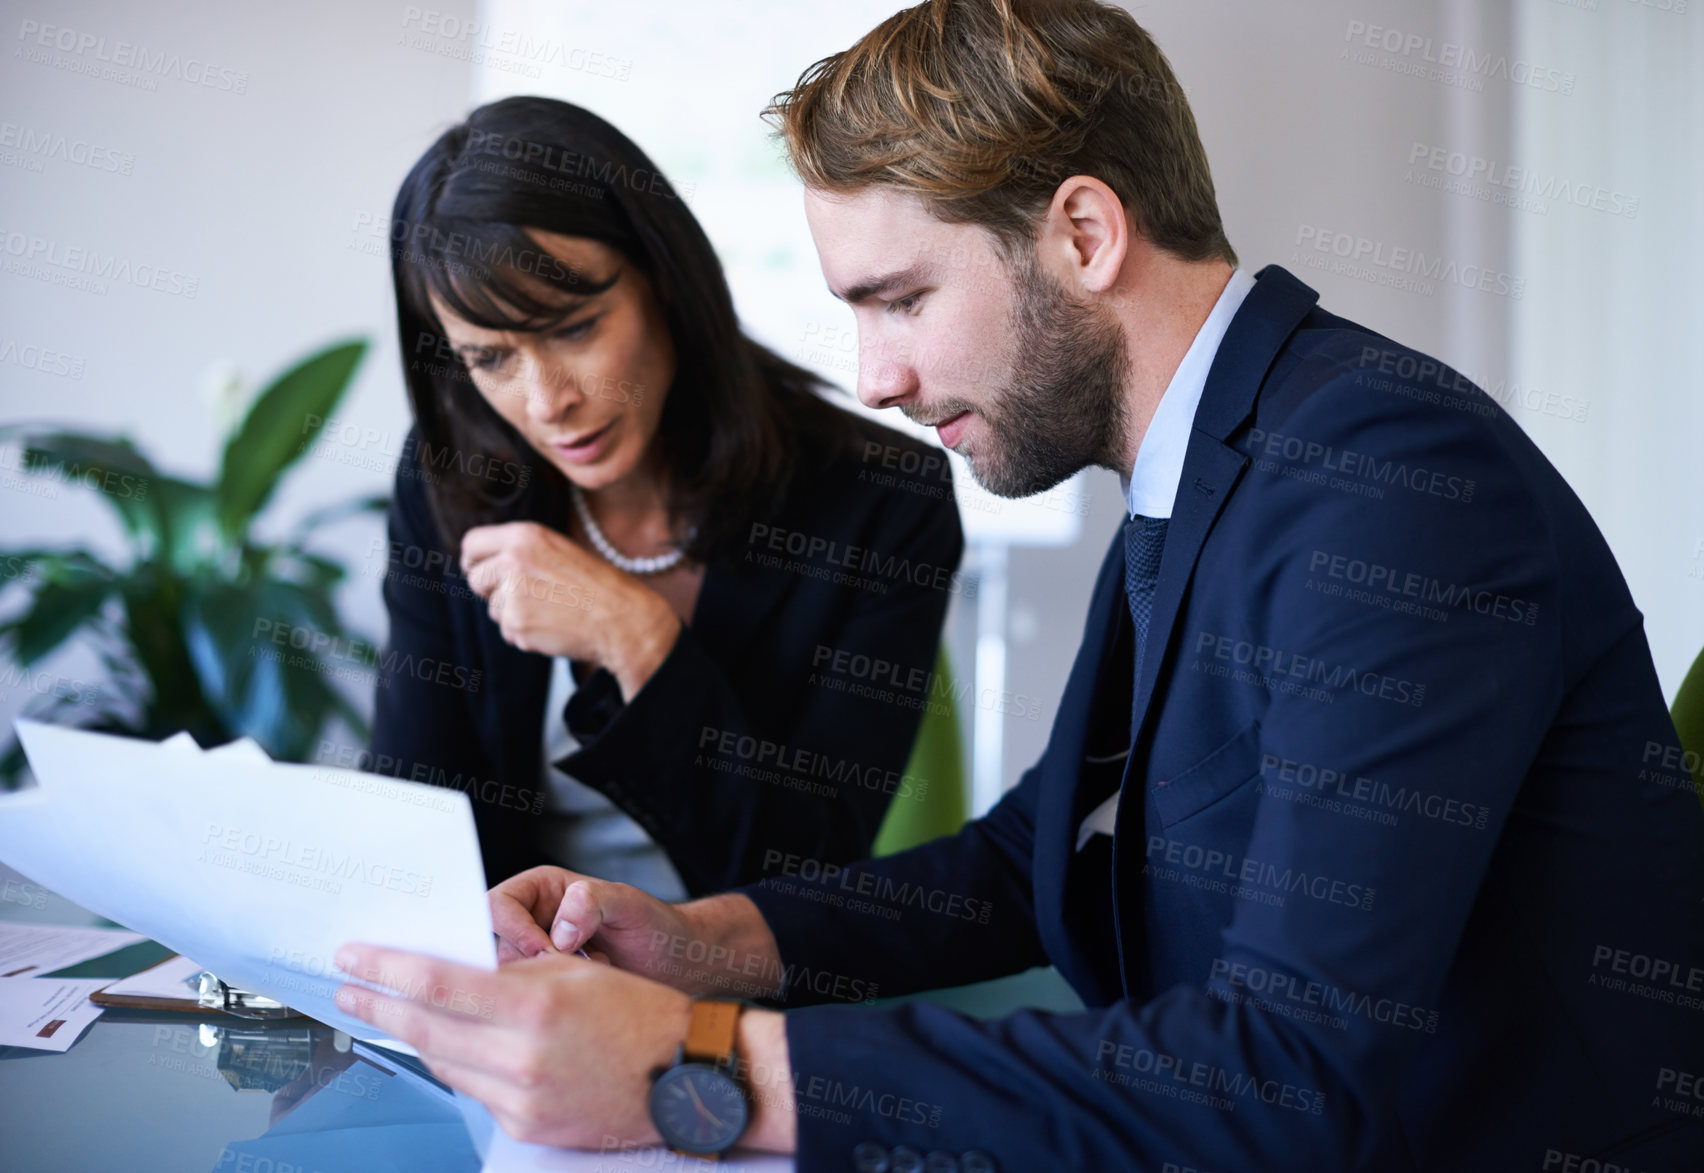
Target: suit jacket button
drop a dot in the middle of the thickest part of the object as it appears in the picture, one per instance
(870, 1157)
(977, 1161)
(941, 1163)
(907, 1159)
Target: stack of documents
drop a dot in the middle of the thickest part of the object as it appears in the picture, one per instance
(258, 870)
(46, 1014)
(43, 1013)
(29, 950)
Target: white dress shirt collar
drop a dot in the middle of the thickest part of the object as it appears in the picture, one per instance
(1151, 487)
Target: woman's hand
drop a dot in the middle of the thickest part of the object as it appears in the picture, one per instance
(548, 594)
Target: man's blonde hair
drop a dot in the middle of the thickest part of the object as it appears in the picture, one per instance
(982, 108)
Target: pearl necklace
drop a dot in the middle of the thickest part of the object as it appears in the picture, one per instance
(610, 554)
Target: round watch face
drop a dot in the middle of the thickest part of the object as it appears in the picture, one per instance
(698, 1108)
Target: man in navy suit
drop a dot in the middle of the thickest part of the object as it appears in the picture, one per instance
(1357, 831)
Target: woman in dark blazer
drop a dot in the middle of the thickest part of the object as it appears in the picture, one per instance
(612, 497)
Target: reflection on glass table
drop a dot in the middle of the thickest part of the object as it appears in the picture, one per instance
(142, 1092)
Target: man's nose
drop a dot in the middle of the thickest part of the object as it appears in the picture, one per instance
(886, 377)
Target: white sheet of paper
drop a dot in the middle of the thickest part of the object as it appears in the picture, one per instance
(244, 749)
(175, 978)
(257, 869)
(46, 1014)
(32, 950)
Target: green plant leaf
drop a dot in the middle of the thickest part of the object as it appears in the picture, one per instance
(30, 566)
(311, 698)
(57, 610)
(168, 517)
(156, 639)
(12, 763)
(191, 539)
(280, 426)
(118, 454)
(111, 467)
(272, 659)
(305, 604)
(184, 654)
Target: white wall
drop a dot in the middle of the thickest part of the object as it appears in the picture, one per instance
(1616, 311)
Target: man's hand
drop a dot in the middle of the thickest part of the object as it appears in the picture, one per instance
(548, 594)
(559, 1049)
(720, 945)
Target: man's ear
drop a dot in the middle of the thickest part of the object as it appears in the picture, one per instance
(1087, 234)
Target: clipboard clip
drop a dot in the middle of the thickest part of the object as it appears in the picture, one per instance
(213, 994)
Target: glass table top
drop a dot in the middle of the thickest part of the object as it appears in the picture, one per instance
(142, 1091)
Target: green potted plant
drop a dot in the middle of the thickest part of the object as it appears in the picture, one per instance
(175, 623)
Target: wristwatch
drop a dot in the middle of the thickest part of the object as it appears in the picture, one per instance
(700, 1104)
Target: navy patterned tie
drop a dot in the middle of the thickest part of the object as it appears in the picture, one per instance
(1144, 539)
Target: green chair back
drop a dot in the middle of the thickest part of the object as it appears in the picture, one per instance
(1688, 714)
(937, 758)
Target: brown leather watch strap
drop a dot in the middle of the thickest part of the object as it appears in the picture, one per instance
(712, 1029)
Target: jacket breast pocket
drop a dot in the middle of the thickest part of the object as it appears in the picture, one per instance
(1234, 763)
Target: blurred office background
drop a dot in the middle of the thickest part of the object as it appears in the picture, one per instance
(1554, 146)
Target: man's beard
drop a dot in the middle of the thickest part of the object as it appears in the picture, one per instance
(1062, 409)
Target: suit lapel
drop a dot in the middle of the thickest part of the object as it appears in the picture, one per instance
(1211, 469)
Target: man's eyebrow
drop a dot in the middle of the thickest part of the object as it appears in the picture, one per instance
(864, 290)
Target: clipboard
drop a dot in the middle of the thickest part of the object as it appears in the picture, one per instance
(179, 985)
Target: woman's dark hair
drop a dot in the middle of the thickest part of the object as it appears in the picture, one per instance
(458, 231)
